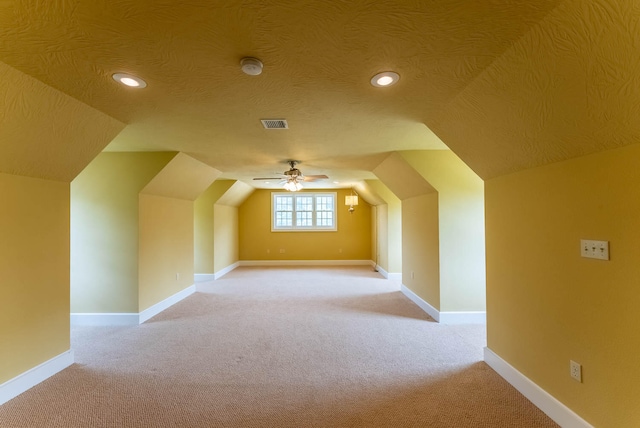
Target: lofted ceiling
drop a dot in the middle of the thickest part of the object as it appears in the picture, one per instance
(318, 60)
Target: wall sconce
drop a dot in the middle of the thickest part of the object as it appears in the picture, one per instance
(351, 200)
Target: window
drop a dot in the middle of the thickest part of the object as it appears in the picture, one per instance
(303, 212)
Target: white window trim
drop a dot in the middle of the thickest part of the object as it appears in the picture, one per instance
(334, 228)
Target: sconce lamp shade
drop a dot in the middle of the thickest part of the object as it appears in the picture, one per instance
(351, 200)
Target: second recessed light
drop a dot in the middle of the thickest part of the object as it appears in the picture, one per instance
(386, 78)
(129, 80)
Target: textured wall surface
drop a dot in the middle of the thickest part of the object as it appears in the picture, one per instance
(182, 178)
(45, 133)
(403, 180)
(318, 57)
(570, 86)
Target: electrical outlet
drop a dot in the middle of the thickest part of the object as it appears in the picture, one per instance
(575, 371)
(594, 249)
(268, 251)
(177, 276)
(412, 275)
(281, 250)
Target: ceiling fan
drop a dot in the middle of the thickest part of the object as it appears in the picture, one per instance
(294, 175)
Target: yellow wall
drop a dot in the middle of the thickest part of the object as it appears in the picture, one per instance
(165, 248)
(374, 233)
(389, 228)
(461, 223)
(420, 247)
(203, 225)
(257, 242)
(382, 233)
(104, 230)
(546, 304)
(225, 230)
(34, 267)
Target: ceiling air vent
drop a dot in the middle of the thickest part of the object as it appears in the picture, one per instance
(274, 123)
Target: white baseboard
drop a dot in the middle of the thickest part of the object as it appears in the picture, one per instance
(19, 384)
(169, 301)
(445, 317)
(304, 263)
(433, 312)
(223, 272)
(123, 319)
(557, 411)
(393, 276)
(460, 317)
(98, 319)
(203, 277)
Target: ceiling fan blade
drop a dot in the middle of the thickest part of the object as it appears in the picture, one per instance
(267, 178)
(314, 177)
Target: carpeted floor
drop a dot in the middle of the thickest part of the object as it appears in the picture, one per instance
(279, 347)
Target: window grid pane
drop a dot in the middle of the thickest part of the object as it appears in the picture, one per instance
(304, 219)
(324, 211)
(324, 219)
(284, 219)
(283, 211)
(304, 211)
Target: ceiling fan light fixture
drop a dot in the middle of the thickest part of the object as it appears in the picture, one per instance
(386, 78)
(292, 185)
(129, 80)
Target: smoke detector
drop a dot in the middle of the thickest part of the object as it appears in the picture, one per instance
(251, 66)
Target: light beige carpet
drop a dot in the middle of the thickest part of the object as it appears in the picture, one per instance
(279, 347)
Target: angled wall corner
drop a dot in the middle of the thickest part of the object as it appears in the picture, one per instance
(73, 132)
(367, 193)
(404, 181)
(226, 243)
(203, 227)
(236, 194)
(458, 246)
(166, 236)
(216, 225)
(182, 178)
(419, 230)
(105, 229)
(388, 227)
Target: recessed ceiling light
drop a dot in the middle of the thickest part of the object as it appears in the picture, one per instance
(129, 80)
(386, 78)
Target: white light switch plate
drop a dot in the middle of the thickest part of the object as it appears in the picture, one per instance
(594, 249)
